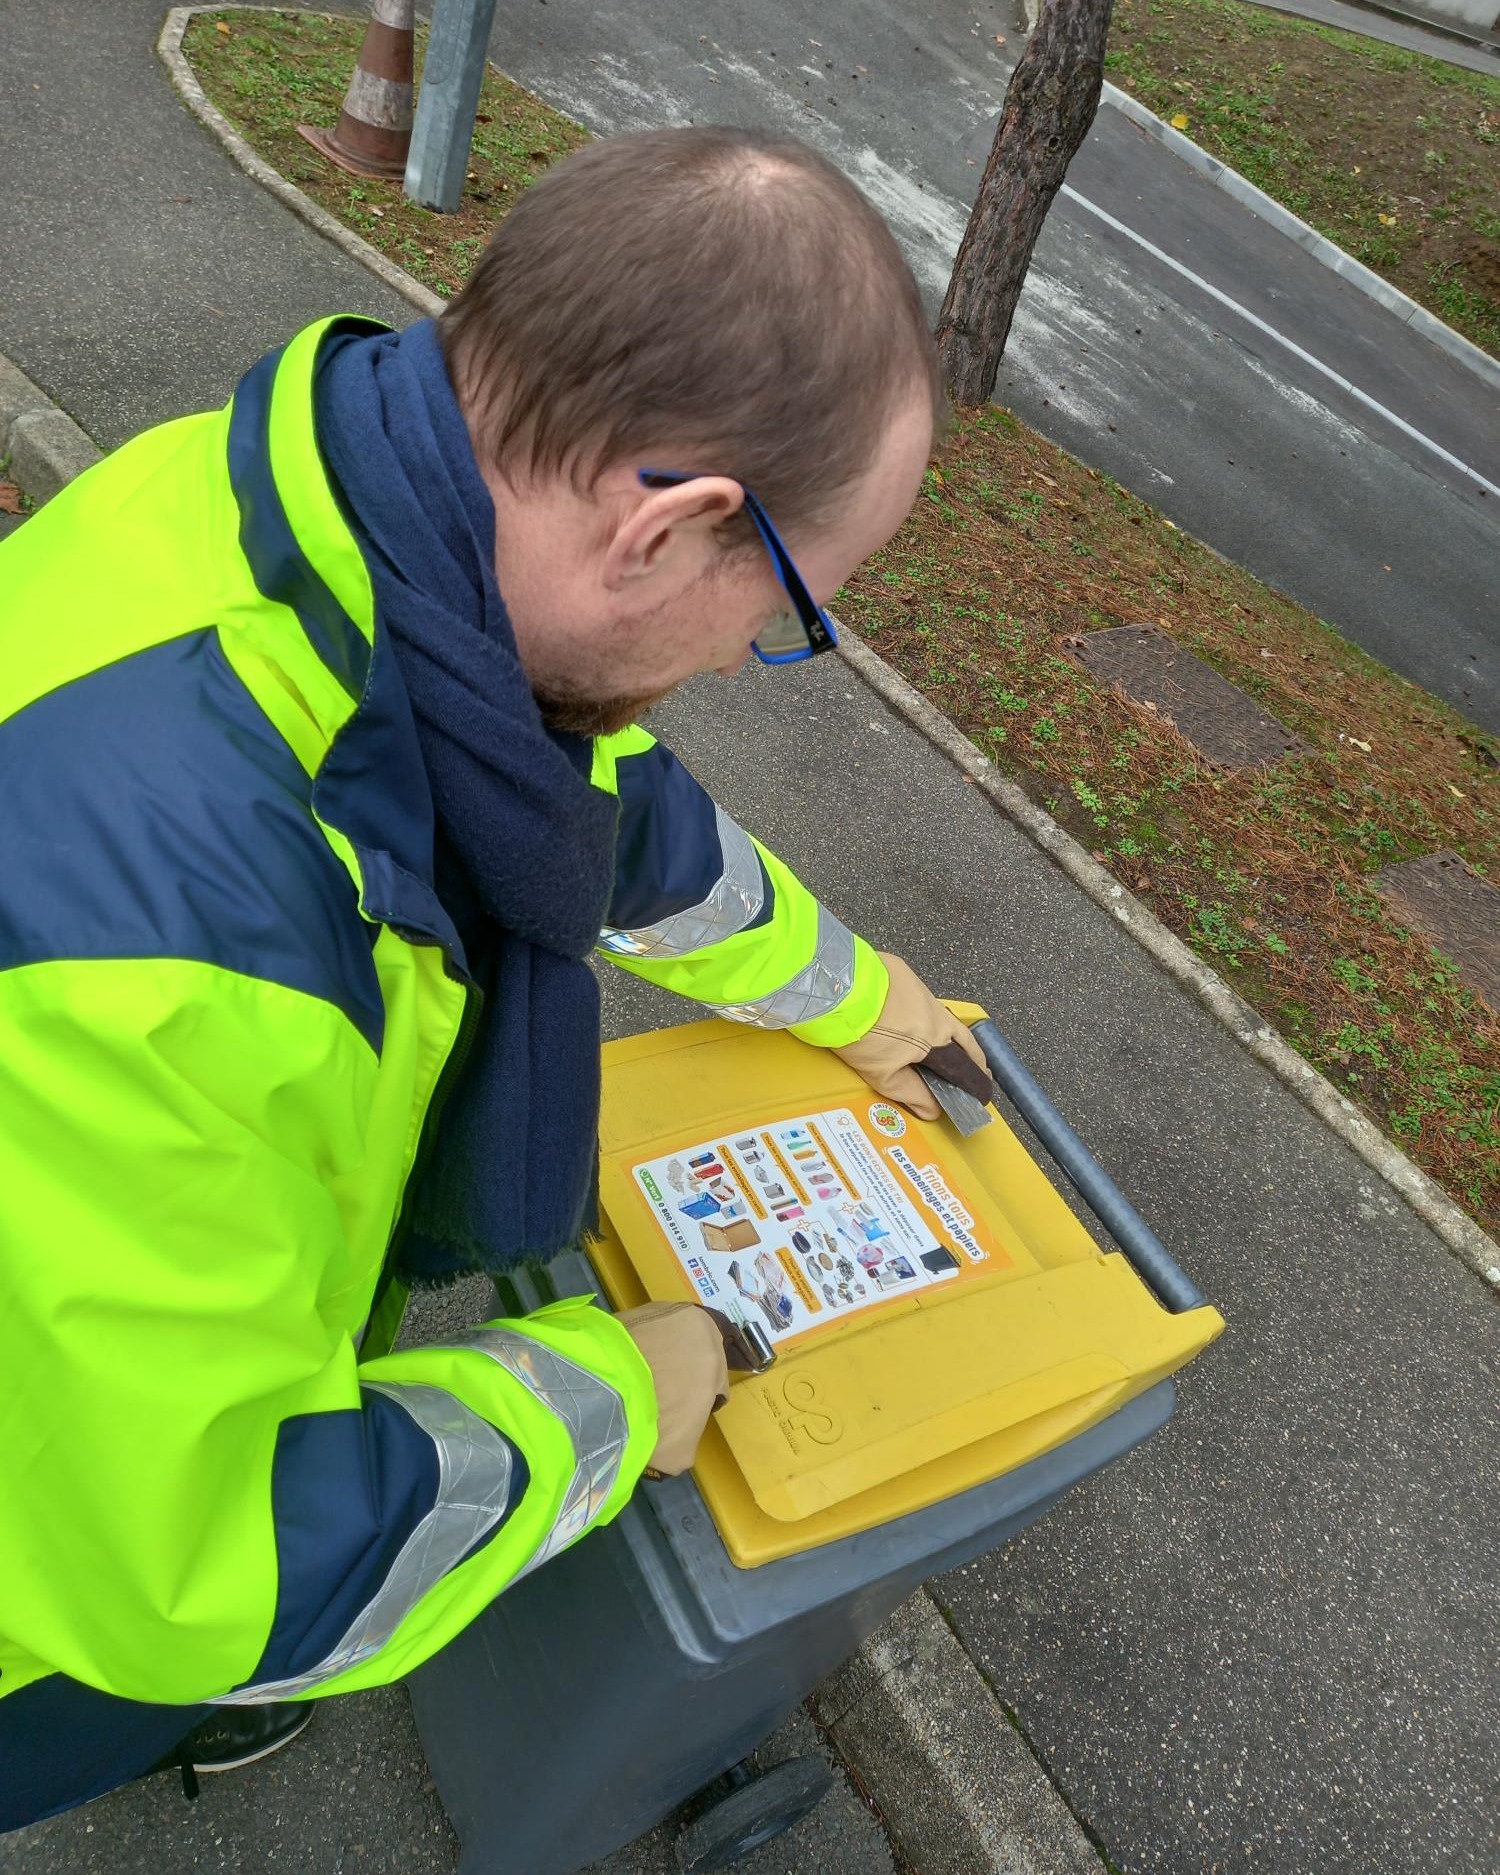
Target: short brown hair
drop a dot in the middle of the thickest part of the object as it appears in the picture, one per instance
(699, 299)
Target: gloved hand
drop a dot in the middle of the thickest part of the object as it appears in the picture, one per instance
(685, 1352)
(912, 1023)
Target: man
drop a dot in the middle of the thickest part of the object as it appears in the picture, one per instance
(321, 782)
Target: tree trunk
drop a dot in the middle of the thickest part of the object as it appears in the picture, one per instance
(1054, 93)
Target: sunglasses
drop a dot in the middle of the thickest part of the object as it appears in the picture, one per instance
(800, 630)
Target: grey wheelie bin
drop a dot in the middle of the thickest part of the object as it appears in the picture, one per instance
(943, 1351)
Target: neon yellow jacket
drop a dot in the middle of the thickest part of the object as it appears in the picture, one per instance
(223, 1019)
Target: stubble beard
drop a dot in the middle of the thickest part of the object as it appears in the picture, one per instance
(595, 716)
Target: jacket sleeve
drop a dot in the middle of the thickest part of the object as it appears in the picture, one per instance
(702, 908)
(204, 1493)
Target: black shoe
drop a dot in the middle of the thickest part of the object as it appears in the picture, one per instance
(236, 1736)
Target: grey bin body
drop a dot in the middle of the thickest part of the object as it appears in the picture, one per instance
(595, 1696)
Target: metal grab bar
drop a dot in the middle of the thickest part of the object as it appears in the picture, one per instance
(1146, 1252)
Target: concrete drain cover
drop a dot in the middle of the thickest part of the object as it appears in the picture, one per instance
(1229, 729)
(1456, 910)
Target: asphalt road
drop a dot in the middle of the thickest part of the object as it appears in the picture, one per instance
(1115, 354)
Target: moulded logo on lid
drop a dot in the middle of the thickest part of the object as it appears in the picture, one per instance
(803, 1412)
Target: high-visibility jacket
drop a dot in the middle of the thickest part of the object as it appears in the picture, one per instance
(228, 997)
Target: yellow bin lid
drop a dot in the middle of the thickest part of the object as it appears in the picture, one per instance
(938, 1314)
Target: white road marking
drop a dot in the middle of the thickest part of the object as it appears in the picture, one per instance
(1260, 325)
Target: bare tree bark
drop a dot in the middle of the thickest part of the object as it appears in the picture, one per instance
(1054, 93)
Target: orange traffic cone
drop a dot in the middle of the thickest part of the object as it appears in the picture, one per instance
(373, 133)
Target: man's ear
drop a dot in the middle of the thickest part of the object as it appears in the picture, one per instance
(669, 531)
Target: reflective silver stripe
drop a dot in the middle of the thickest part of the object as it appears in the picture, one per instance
(734, 903)
(822, 986)
(589, 1407)
(474, 1472)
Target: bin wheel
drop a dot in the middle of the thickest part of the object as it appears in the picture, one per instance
(756, 1806)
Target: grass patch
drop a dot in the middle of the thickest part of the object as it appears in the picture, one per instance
(270, 72)
(1015, 546)
(1393, 155)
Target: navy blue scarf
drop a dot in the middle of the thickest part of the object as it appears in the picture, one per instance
(524, 851)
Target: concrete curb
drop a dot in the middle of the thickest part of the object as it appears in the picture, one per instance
(1327, 253)
(1458, 1232)
(957, 1786)
(169, 50)
(45, 448)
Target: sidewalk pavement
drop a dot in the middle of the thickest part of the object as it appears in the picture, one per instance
(1259, 1644)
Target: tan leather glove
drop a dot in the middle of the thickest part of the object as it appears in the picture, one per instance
(685, 1352)
(912, 1023)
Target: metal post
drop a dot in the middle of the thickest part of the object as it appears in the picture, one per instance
(447, 103)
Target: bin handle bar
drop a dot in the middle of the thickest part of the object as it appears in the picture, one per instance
(1145, 1251)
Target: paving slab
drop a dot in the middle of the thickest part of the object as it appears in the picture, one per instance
(1224, 723)
(1456, 909)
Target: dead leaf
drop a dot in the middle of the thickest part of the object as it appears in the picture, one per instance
(221, 26)
(10, 498)
(1457, 793)
(1386, 221)
(1355, 742)
(1179, 120)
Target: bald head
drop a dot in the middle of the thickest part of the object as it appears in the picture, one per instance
(706, 300)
